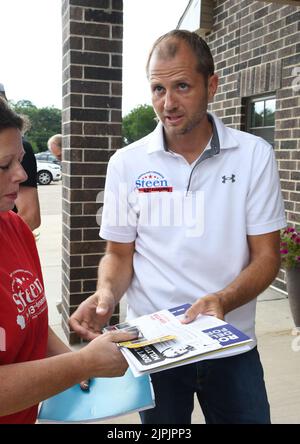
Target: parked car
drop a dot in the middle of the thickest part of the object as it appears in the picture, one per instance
(47, 156)
(47, 172)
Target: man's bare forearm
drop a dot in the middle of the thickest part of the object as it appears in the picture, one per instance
(252, 281)
(116, 271)
(256, 277)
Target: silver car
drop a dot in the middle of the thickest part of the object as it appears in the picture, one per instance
(47, 172)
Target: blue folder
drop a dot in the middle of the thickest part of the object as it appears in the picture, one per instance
(106, 398)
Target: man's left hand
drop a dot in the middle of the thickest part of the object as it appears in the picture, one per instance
(210, 305)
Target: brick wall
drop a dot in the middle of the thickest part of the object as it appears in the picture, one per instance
(256, 47)
(92, 96)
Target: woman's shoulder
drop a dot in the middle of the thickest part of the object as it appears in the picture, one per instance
(12, 222)
(13, 218)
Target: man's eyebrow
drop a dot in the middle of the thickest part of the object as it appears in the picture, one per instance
(154, 84)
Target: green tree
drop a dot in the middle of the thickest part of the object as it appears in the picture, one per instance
(44, 123)
(138, 123)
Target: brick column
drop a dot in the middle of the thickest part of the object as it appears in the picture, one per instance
(91, 122)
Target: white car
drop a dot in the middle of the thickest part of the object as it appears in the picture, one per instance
(46, 156)
(47, 172)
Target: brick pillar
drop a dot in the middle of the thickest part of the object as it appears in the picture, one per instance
(91, 122)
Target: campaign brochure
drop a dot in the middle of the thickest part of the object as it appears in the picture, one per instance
(164, 342)
(106, 398)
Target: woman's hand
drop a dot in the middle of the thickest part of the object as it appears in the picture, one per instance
(102, 356)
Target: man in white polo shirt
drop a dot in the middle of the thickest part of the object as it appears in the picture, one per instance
(192, 214)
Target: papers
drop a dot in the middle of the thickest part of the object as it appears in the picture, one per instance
(206, 337)
(107, 398)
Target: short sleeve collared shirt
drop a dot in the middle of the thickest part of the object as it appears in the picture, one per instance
(190, 222)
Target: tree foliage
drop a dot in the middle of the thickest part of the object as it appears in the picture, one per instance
(138, 123)
(44, 123)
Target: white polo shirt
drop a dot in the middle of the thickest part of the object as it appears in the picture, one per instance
(190, 222)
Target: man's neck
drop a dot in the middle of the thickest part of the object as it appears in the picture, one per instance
(192, 144)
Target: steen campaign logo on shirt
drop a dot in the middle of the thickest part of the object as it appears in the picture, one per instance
(152, 181)
(28, 295)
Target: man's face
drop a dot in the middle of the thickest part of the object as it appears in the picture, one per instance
(55, 150)
(179, 93)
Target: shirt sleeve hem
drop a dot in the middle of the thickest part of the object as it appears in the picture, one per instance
(115, 237)
(267, 227)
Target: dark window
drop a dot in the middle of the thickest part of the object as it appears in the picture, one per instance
(47, 157)
(42, 156)
(261, 117)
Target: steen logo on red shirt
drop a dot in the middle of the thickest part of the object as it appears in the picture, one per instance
(28, 295)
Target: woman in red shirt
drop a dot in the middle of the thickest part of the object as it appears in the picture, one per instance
(34, 363)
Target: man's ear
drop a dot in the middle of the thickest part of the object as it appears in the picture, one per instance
(212, 86)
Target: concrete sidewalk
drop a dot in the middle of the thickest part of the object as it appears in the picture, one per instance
(278, 347)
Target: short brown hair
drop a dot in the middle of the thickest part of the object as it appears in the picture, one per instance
(9, 118)
(205, 62)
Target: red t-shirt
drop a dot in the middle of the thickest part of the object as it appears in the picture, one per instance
(23, 307)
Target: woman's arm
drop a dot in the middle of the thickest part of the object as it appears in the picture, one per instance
(55, 345)
(27, 383)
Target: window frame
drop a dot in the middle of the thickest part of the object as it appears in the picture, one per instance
(254, 99)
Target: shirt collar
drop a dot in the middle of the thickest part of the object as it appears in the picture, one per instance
(221, 137)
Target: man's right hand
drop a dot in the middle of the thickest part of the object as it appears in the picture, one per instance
(93, 314)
